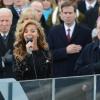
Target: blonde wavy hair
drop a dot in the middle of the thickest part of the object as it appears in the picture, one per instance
(27, 14)
(20, 44)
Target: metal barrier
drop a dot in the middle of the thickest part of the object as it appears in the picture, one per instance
(65, 88)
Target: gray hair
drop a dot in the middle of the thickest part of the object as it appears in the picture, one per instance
(3, 10)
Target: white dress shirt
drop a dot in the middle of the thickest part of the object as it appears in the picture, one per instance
(71, 29)
(4, 34)
(88, 5)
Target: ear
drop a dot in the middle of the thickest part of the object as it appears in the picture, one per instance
(76, 14)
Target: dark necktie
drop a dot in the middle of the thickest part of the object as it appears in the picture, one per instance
(5, 40)
(90, 7)
(68, 35)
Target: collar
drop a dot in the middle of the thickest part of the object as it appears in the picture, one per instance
(2, 34)
(18, 9)
(88, 4)
(71, 27)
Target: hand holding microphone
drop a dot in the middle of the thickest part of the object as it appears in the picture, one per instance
(31, 44)
(29, 48)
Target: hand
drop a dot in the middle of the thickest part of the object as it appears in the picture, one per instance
(29, 47)
(8, 56)
(73, 48)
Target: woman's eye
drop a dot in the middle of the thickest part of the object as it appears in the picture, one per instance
(33, 31)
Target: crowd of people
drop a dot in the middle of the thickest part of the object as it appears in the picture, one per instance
(49, 38)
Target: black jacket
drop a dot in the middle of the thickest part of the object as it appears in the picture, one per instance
(89, 60)
(34, 66)
(6, 54)
(64, 63)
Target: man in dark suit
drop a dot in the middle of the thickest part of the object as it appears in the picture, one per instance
(65, 48)
(86, 5)
(89, 8)
(6, 42)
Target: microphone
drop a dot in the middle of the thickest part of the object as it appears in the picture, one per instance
(29, 39)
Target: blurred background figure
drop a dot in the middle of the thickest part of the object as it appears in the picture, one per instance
(56, 18)
(16, 9)
(31, 53)
(6, 41)
(89, 60)
(8, 3)
(48, 7)
(80, 17)
(86, 5)
(90, 9)
(98, 2)
(37, 7)
(1, 4)
(27, 14)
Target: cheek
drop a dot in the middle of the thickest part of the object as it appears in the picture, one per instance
(35, 35)
(25, 35)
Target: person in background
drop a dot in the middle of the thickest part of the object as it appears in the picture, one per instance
(95, 14)
(89, 61)
(90, 9)
(66, 41)
(98, 2)
(7, 3)
(32, 59)
(80, 17)
(56, 18)
(1, 4)
(48, 7)
(86, 5)
(37, 7)
(27, 14)
(6, 41)
(16, 9)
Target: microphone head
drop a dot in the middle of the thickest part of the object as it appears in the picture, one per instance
(28, 39)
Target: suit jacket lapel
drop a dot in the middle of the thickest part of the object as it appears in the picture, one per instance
(2, 46)
(63, 33)
(14, 12)
(10, 38)
(74, 32)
